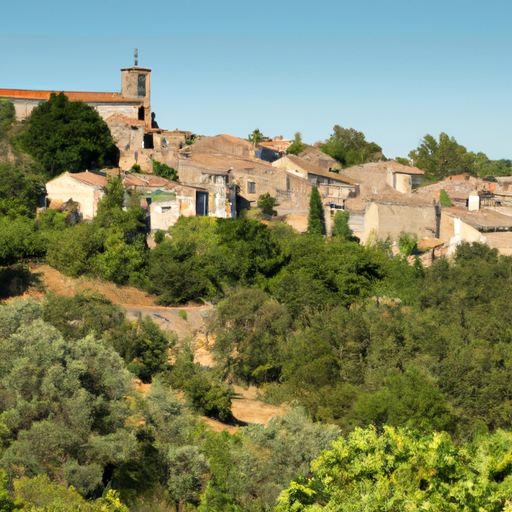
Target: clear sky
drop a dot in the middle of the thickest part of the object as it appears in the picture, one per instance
(395, 69)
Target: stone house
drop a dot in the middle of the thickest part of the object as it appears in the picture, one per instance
(403, 178)
(278, 144)
(317, 157)
(166, 206)
(85, 188)
(383, 219)
(458, 188)
(490, 226)
(334, 187)
(165, 200)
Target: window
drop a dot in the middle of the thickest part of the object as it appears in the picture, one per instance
(288, 183)
(251, 187)
(141, 86)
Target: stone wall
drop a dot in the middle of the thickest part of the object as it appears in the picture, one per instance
(388, 219)
(23, 108)
(400, 182)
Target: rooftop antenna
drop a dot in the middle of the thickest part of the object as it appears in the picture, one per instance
(136, 56)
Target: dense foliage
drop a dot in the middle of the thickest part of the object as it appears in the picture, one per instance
(65, 135)
(71, 416)
(446, 157)
(164, 171)
(113, 246)
(401, 470)
(297, 146)
(350, 147)
(413, 365)
(266, 204)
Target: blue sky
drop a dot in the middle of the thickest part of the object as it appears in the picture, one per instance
(394, 69)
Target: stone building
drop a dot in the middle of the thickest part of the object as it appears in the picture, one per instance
(391, 219)
(403, 178)
(133, 102)
(127, 113)
(489, 226)
(228, 163)
(319, 158)
(164, 200)
(85, 188)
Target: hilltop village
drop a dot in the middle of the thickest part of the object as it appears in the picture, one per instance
(219, 324)
(221, 176)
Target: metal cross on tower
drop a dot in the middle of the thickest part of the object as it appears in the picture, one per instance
(136, 56)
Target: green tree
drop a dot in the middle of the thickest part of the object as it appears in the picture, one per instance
(39, 494)
(164, 171)
(403, 470)
(204, 388)
(187, 472)
(256, 137)
(71, 251)
(18, 192)
(443, 157)
(20, 239)
(85, 313)
(298, 146)
(316, 225)
(179, 274)
(123, 253)
(266, 204)
(7, 116)
(6, 503)
(444, 199)
(67, 135)
(350, 147)
(407, 243)
(341, 227)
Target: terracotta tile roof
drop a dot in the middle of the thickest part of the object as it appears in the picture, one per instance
(395, 167)
(146, 180)
(222, 162)
(124, 119)
(89, 178)
(87, 97)
(317, 154)
(278, 145)
(481, 220)
(320, 171)
(220, 144)
(234, 140)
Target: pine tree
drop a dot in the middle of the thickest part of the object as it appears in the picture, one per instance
(341, 227)
(316, 214)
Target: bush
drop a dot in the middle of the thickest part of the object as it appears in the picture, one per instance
(159, 236)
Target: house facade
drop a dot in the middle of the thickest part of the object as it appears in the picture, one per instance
(85, 188)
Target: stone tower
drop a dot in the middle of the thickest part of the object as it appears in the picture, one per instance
(136, 84)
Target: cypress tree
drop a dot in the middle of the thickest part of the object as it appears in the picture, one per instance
(316, 224)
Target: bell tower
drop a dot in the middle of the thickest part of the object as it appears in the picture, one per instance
(136, 85)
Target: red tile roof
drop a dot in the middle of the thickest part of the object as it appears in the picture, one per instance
(320, 171)
(89, 178)
(124, 119)
(146, 180)
(87, 97)
(395, 167)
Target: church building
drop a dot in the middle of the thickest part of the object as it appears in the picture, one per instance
(127, 113)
